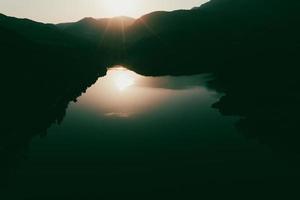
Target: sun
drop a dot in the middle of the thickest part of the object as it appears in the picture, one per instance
(122, 78)
(121, 7)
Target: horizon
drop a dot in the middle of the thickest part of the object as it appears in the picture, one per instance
(71, 11)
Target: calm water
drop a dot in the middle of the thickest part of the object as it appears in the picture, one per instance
(135, 134)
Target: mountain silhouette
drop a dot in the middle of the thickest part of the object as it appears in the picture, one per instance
(98, 30)
(108, 34)
(38, 32)
(42, 70)
(219, 28)
(252, 48)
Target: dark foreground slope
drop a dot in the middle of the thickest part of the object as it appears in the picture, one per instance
(42, 70)
(252, 47)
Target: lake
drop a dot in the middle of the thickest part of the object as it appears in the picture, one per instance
(135, 135)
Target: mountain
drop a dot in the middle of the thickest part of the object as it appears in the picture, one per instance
(109, 34)
(97, 29)
(251, 46)
(219, 28)
(42, 70)
(41, 33)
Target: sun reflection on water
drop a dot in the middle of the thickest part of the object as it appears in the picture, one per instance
(124, 94)
(122, 77)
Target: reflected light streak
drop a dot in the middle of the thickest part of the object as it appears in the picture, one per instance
(122, 77)
(125, 94)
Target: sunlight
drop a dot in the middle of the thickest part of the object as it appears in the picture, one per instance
(123, 93)
(123, 7)
(122, 77)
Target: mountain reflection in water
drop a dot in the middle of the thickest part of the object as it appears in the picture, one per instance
(136, 134)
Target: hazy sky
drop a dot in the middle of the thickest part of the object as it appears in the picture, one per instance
(72, 10)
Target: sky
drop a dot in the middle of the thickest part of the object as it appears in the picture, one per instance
(56, 11)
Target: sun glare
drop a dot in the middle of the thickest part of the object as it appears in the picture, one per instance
(121, 7)
(122, 77)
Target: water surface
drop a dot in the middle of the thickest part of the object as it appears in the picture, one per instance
(135, 134)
